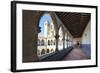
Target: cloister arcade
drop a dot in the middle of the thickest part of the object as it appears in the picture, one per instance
(54, 38)
(51, 37)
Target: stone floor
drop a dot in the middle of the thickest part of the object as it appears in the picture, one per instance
(76, 54)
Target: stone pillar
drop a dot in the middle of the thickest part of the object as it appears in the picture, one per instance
(67, 40)
(56, 37)
(63, 42)
(29, 38)
(30, 35)
(53, 16)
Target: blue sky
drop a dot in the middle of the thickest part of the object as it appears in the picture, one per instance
(45, 17)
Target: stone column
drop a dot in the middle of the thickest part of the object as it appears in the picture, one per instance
(30, 35)
(67, 40)
(56, 37)
(63, 42)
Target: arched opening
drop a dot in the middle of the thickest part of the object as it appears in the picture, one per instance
(48, 50)
(42, 42)
(51, 42)
(47, 32)
(43, 51)
(48, 42)
(60, 41)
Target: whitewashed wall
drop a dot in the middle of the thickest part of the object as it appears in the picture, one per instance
(86, 37)
(86, 40)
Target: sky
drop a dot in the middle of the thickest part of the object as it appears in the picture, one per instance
(45, 17)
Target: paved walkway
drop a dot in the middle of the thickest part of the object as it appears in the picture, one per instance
(76, 54)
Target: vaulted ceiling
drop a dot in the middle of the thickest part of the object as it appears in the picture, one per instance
(74, 22)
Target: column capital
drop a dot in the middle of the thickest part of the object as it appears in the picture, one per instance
(36, 30)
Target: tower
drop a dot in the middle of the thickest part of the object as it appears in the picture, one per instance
(46, 25)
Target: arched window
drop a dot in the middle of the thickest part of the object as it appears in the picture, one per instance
(48, 42)
(43, 51)
(42, 42)
(48, 51)
(51, 42)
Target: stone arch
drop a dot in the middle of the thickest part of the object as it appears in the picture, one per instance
(36, 20)
(60, 29)
(61, 26)
(61, 36)
(53, 16)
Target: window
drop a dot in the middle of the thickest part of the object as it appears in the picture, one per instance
(51, 42)
(48, 42)
(42, 42)
(43, 51)
(48, 51)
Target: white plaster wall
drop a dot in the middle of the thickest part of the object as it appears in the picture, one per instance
(75, 40)
(86, 37)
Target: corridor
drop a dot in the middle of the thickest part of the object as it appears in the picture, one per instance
(76, 54)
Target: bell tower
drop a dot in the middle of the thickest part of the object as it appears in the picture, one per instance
(46, 25)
